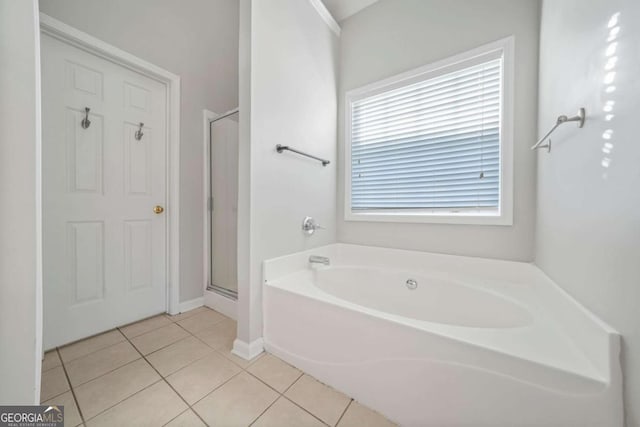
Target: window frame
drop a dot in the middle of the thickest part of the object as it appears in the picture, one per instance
(480, 216)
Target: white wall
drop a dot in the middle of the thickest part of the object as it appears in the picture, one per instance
(390, 37)
(196, 39)
(342, 9)
(292, 82)
(20, 244)
(588, 227)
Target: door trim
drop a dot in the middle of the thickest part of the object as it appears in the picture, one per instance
(86, 42)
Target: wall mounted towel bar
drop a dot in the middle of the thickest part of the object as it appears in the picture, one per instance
(580, 117)
(281, 148)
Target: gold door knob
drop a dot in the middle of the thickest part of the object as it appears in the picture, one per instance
(158, 209)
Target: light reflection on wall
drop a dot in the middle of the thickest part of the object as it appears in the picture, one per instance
(611, 61)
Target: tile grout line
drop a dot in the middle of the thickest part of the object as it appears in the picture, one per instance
(103, 374)
(216, 351)
(90, 336)
(54, 349)
(161, 348)
(213, 350)
(295, 381)
(200, 330)
(94, 351)
(194, 311)
(143, 320)
(113, 370)
(179, 415)
(127, 339)
(266, 409)
(126, 398)
(305, 410)
(195, 314)
(282, 394)
(302, 373)
(221, 353)
(344, 412)
(59, 393)
(163, 378)
(155, 330)
(270, 386)
(217, 387)
(190, 334)
(71, 388)
(351, 399)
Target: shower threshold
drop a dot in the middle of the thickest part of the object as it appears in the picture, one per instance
(228, 293)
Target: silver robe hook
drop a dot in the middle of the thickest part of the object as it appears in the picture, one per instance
(85, 123)
(139, 133)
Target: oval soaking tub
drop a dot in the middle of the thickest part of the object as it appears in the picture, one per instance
(440, 340)
(432, 298)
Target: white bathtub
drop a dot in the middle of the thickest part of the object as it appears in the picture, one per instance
(477, 343)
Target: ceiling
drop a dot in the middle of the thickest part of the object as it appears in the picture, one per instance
(342, 9)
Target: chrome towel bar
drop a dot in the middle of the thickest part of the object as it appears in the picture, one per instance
(281, 148)
(580, 117)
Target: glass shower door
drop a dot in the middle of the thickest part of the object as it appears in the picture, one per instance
(223, 207)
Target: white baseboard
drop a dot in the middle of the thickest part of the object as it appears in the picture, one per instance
(222, 304)
(248, 351)
(190, 305)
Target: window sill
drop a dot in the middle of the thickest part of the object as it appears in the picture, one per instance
(461, 218)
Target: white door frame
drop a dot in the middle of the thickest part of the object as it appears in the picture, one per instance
(84, 41)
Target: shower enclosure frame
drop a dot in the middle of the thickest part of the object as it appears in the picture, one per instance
(209, 118)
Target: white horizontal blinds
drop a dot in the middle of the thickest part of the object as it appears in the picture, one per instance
(429, 145)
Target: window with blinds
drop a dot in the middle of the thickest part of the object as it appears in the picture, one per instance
(431, 143)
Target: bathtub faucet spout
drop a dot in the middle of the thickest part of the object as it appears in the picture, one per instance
(315, 259)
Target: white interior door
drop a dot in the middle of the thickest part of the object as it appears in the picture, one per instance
(224, 215)
(104, 253)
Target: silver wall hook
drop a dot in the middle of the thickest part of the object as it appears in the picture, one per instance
(85, 123)
(139, 133)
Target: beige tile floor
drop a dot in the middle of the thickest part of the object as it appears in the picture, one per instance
(179, 371)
